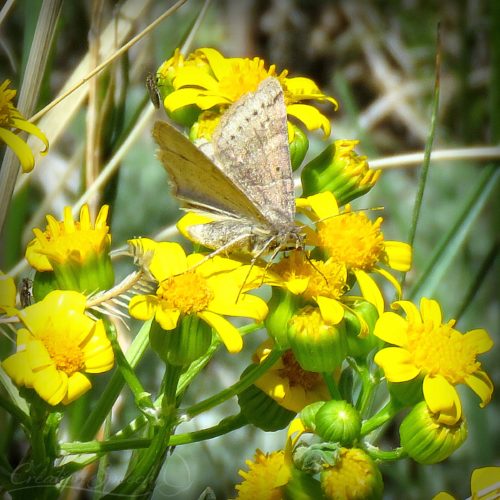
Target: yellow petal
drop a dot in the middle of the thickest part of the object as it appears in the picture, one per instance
(442, 398)
(97, 351)
(431, 311)
(219, 65)
(167, 318)
(482, 385)
(205, 102)
(102, 217)
(193, 76)
(20, 148)
(443, 496)
(389, 277)
(51, 385)
(310, 117)
(226, 331)
(78, 384)
(32, 129)
(248, 306)
(485, 478)
(370, 290)
(305, 88)
(297, 285)
(399, 255)
(18, 369)
(412, 313)
(180, 98)
(397, 364)
(143, 307)
(33, 255)
(324, 205)
(169, 259)
(392, 328)
(7, 291)
(479, 340)
(331, 310)
(37, 355)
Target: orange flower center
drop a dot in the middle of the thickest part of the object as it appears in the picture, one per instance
(439, 349)
(353, 240)
(296, 375)
(65, 353)
(188, 292)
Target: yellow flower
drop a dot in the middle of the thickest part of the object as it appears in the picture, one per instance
(208, 79)
(58, 346)
(11, 118)
(484, 483)
(352, 239)
(287, 383)
(210, 290)
(442, 355)
(266, 476)
(321, 282)
(69, 240)
(7, 294)
(354, 477)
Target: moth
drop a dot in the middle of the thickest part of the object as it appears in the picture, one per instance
(242, 180)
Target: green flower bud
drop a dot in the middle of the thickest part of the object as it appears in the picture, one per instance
(298, 147)
(308, 415)
(187, 342)
(360, 322)
(427, 441)
(317, 346)
(282, 306)
(340, 170)
(263, 411)
(338, 422)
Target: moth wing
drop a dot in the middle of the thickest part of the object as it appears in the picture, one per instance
(196, 181)
(251, 147)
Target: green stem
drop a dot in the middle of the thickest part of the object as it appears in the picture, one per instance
(250, 377)
(115, 385)
(368, 386)
(141, 397)
(384, 415)
(386, 456)
(332, 386)
(428, 148)
(141, 478)
(38, 419)
(225, 426)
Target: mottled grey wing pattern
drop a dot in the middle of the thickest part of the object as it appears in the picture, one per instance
(196, 181)
(251, 148)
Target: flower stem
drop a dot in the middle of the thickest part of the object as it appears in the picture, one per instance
(380, 418)
(332, 386)
(142, 398)
(250, 377)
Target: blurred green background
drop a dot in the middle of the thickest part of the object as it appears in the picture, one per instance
(378, 60)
